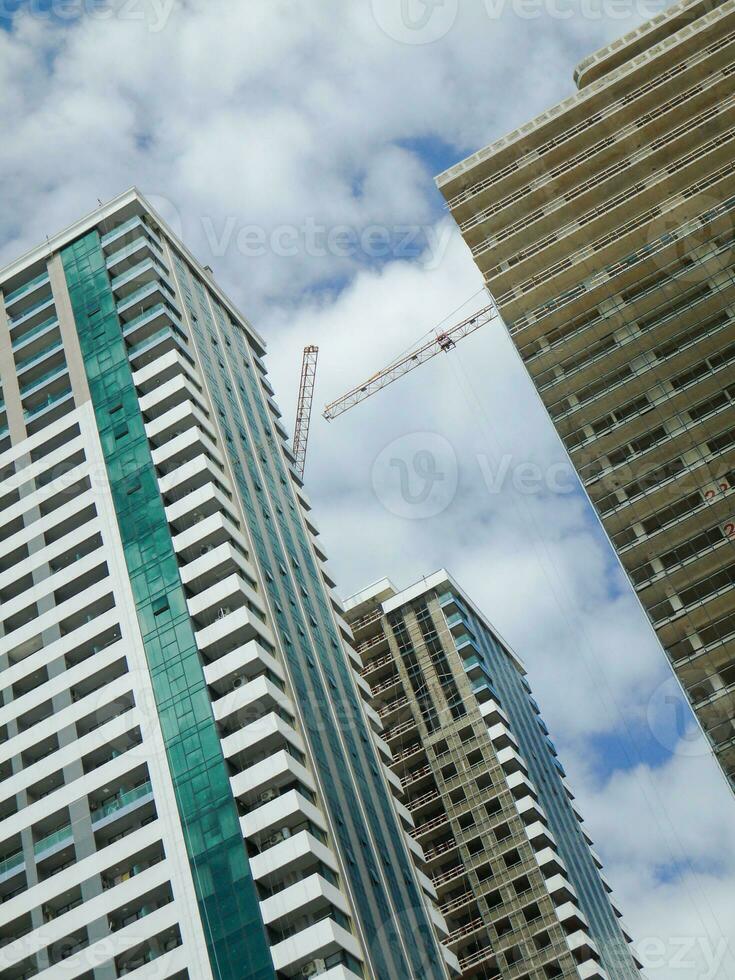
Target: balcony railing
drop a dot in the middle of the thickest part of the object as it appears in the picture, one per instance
(52, 400)
(465, 930)
(456, 872)
(41, 379)
(13, 861)
(366, 620)
(28, 313)
(52, 840)
(122, 800)
(378, 662)
(39, 356)
(26, 288)
(35, 331)
(424, 828)
(432, 853)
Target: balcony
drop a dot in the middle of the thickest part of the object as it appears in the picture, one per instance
(169, 366)
(440, 849)
(447, 877)
(38, 381)
(409, 752)
(149, 322)
(560, 889)
(156, 345)
(246, 700)
(49, 343)
(520, 786)
(366, 620)
(550, 863)
(502, 737)
(131, 280)
(401, 730)
(373, 666)
(130, 255)
(194, 507)
(26, 290)
(131, 225)
(53, 407)
(539, 835)
(241, 665)
(430, 826)
(12, 865)
(122, 803)
(316, 942)
(258, 737)
(31, 314)
(279, 814)
(467, 897)
(493, 713)
(275, 771)
(591, 971)
(373, 643)
(53, 842)
(286, 853)
(468, 929)
(232, 629)
(385, 685)
(511, 761)
(309, 895)
(485, 955)
(388, 709)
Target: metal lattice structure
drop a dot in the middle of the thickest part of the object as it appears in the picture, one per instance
(442, 342)
(303, 409)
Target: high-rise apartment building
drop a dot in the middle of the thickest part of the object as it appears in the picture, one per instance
(604, 229)
(517, 880)
(191, 780)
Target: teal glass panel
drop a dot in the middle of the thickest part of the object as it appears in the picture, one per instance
(395, 927)
(228, 905)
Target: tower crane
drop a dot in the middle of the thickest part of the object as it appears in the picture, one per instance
(303, 408)
(445, 341)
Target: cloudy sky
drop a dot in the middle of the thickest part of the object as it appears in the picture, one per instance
(293, 145)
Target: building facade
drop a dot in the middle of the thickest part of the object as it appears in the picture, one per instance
(517, 881)
(191, 780)
(605, 230)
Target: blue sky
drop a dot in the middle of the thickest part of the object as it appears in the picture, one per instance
(293, 146)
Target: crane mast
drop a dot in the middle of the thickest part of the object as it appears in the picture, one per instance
(443, 341)
(303, 408)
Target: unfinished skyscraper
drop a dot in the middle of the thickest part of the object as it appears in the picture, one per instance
(604, 230)
(517, 881)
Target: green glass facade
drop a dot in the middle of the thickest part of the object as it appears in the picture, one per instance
(395, 925)
(228, 903)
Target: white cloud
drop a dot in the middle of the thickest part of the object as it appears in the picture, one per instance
(539, 565)
(268, 114)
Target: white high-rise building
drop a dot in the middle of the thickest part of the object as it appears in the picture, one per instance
(192, 783)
